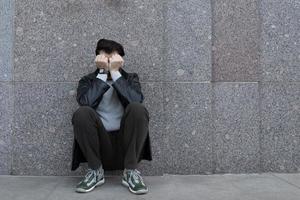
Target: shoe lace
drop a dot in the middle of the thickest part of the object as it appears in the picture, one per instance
(89, 174)
(136, 174)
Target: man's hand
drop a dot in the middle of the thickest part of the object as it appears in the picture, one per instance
(102, 62)
(115, 62)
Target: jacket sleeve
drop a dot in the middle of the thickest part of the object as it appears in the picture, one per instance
(129, 91)
(90, 91)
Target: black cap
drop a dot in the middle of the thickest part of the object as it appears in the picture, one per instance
(109, 46)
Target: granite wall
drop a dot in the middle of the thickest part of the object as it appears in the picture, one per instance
(221, 81)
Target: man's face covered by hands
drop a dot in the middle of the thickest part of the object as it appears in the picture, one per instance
(110, 62)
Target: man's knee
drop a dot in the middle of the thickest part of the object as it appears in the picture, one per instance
(81, 113)
(137, 107)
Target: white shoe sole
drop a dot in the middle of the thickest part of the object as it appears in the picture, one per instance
(135, 192)
(97, 184)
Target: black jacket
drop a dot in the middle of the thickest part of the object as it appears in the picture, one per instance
(90, 91)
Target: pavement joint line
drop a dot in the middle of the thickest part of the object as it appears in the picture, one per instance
(286, 181)
(159, 176)
(117, 175)
(66, 176)
(160, 81)
(53, 189)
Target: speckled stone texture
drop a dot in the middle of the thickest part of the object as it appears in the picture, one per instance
(280, 88)
(235, 40)
(6, 85)
(280, 40)
(236, 125)
(187, 130)
(63, 36)
(280, 116)
(6, 126)
(6, 37)
(188, 40)
(153, 92)
(220, 79)
(42, 139)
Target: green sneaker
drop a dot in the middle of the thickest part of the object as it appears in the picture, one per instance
(92, 179)
(133, 180)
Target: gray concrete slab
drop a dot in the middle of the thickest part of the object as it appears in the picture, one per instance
(290, 178)
(187, 40)
(188, 130)
(43, 132)
(6, 39)
(280, 47)
(58, 38)
(6, 126)
(188, 187)
(280, 126)
(195, 59)
(153, 92)
(236, 125)
(236, 38)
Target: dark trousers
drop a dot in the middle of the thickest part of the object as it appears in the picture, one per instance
(111, 148)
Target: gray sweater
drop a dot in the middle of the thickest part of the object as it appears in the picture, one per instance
(110, 109)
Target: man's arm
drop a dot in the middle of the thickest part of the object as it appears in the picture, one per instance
(128, 91)
(90, 92)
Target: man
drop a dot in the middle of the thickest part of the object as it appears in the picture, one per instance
(111, 125)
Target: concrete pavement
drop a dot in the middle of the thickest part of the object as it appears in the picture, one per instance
(182, 187)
